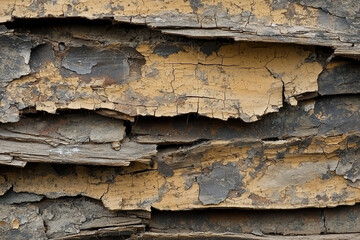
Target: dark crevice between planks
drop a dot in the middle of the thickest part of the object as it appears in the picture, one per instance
(309, 221)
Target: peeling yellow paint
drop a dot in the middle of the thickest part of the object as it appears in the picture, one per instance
(301, 76)
(303, 177)
(263, 19)
(134, 192)
(49, 183)
(235, 82)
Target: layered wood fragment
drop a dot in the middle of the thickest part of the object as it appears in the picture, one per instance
(212, 124)
(81, 138)
(24, 217)
(321, 116)
(295, 21)
(159, 77)
(216, 174)
(67, 218)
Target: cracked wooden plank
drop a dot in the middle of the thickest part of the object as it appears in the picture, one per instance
(80, 138)
(70, 218)
(214, 174)
(67, 218)
(322, 116)
(294, 21)
(159, 77)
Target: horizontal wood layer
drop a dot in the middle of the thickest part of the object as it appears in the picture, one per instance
(320, 116)
(212, 126)
(296, 21)
(80, 138)
(67, 218)
(315, 172)
(337, 220)
(139, 72)
(31, 216)
(301, 157)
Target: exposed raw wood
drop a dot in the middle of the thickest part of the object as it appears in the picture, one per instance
(79, 154)
(73, 138)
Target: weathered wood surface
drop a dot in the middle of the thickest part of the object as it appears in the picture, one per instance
(190, 132)
(338, 220)
(81, 138)
(287, 174)
(290, 222)
(25, 216)
(139, 72)
(304, 156)
(296, 21)
(67, 218)
(321, 116)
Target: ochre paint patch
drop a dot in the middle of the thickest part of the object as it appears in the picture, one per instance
(237, 80)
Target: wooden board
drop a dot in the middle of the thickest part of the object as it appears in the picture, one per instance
(289, 21)
(142, 73)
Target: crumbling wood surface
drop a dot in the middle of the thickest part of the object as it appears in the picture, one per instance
(208, 119)
(140, 72)
(288, 21)
(315, 172)
(67, 218)
(72, 138)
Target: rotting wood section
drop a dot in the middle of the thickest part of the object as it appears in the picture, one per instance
(140, 72)
(315, 172)
(81, 138)
(185, 133)
(288, 21)
(64, 219)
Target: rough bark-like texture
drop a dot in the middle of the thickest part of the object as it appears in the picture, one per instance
(186, 119)
(64, 218)
(216, 174)
(296, 21)
(72, 138)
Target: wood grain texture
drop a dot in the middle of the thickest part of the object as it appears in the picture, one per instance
(315, 172)
(81, 138)
(66, 219)
(179, 119)
(287, 21)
